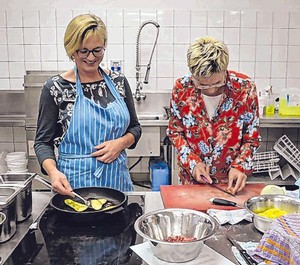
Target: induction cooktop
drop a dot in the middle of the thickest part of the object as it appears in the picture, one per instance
(57, 241)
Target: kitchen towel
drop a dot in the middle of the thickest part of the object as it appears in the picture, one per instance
(232, 217)
(281, 242)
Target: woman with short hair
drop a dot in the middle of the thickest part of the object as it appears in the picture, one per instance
(214, 121)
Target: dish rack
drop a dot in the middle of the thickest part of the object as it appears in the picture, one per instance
(289, 151)
(266, 162)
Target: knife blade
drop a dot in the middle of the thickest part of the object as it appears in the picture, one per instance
(214, 185)
(215, 181)
(247, 258)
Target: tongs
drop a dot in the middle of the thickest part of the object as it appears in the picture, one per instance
(48, 184)
(213, 184)
(246, 257)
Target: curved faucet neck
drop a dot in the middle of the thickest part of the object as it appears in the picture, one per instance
(138, 60)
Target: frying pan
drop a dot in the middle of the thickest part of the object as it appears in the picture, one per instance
(118, 198)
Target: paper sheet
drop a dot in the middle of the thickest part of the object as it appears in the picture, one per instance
(206, 257)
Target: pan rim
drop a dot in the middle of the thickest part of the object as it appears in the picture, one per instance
(90, 212)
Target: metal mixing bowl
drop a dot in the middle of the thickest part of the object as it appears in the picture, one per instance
(264, 202)
(158, 225)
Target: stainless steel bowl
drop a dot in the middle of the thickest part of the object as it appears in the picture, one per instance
(158, 225)
(264, 202)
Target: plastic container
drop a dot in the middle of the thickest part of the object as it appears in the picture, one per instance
(159, 174)
(286, 110)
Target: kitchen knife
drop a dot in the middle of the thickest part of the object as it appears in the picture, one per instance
(247, 258)
(214, 185)
(218, 201)
(215, 181)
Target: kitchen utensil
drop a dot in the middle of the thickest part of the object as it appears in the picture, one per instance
(116, 197)
(218, 201)
(247, 258)
(158, 226)
(48, 184)
(262, 203)
(213, 184)
(197, 197)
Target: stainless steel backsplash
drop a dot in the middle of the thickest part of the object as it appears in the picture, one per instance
(12, 102)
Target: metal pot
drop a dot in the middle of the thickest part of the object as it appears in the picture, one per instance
(8, 202)
(262, 203)
(23, 181)
(118, 198)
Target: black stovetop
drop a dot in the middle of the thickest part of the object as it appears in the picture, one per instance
(60, 242)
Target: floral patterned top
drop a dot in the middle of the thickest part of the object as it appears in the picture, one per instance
(227, 140)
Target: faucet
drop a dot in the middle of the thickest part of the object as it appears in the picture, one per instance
(138, 95)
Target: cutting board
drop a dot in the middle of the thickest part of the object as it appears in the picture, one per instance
(197, 197)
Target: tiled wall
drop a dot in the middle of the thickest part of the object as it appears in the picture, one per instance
(271, 135)
(262, 44)
(12, 138)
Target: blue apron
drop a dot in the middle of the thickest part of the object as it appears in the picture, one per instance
(91, 125)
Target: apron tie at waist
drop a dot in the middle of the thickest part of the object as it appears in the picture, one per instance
(73, 156)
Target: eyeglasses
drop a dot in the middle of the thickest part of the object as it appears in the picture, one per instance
(204, 87)
(97, 52)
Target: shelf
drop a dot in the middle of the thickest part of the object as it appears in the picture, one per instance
(280, 121)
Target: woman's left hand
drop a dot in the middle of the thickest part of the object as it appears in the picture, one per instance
(108, 151)
(239, 178)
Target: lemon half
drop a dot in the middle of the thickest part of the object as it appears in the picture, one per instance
(273, 189)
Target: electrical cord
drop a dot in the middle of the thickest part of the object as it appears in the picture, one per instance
(134, 182)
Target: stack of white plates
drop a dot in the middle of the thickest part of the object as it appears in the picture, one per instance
(17, 162)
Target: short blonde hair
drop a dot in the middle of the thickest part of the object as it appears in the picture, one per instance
(207, 56)
(80, 28)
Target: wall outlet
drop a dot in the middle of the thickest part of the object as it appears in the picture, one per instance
(30, 147)
(115, 65)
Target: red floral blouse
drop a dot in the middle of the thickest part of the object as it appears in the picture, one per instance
(227, 140)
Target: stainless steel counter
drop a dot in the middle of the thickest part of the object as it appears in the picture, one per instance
(275, 121)
(278, 121)
(40, 201)
(242, 232)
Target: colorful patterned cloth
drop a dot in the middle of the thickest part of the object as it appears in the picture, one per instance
(281, 243)
(228, 139)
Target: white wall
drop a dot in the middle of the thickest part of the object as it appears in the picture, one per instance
(263, 37)
(271, 5)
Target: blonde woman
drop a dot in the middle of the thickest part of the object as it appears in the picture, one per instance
(214, 123)
(89, 114)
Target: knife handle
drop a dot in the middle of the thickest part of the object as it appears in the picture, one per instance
(224, 202)
(247, 257)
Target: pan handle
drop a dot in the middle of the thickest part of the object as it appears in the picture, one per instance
(44, 181)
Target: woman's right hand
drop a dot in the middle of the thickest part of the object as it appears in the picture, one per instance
(59, 181)
(201, 173)
(60, 184)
